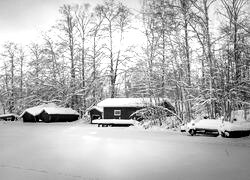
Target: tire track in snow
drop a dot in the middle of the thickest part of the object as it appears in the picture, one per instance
(48, 172)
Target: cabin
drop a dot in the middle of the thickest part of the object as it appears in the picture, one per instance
(123, 108)
(58, 114)
(49, 113)
(29, 117)
(95, 112)
(32, 114)
(8, 117)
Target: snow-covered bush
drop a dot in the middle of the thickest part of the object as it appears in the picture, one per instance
(157, 116)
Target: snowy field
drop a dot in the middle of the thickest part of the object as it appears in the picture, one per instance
(72, 151)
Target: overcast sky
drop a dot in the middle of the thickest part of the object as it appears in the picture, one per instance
(22, 21)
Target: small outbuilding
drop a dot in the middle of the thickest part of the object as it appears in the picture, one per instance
(95, 112)
(123, 108)
(32, 114)
(58, 114)
(49, 113)
(8, 117)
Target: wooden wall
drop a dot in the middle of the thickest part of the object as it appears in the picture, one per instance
(125, 112)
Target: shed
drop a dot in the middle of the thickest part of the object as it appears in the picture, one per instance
(123, 108)
(58, 114)
(95, 112)
(32, 114)
(8, 117)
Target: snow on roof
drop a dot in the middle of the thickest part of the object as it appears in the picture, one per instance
(130, 102)
(36, 110)
(98, 108)
(7, 115)
(60, 110)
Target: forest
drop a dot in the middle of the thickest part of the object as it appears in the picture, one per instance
(194, 52)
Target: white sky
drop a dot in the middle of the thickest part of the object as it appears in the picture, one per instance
(22, 21)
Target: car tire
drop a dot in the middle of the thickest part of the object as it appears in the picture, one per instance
(222, 134)
(227, 134)
(192, 132)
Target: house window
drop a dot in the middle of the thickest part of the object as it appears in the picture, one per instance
(117, 112)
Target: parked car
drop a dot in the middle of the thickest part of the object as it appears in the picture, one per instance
(235, 128)
(183, 127)
(238, 126)
(204, 126)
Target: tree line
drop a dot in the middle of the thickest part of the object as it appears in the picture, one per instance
(194, 52)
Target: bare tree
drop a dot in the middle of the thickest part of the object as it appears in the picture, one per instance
(185, 10)
(234, 28)
(96, 50)
(152, 38)
(50, 48)
(21, 56)
(201, 27)
(83, 18)
(234, 10)
(116, 19)
(10, 52)
(67, 25)
(36, 52)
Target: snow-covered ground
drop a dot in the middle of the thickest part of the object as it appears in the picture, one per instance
(72, 151)
(115, 121)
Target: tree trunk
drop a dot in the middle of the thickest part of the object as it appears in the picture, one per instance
(12, 85)
(112, 71)
(184, 6)
(72, 68)
(94, 66)
(83, 73)
(21, 77)
(210, 59)
(163, 64)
